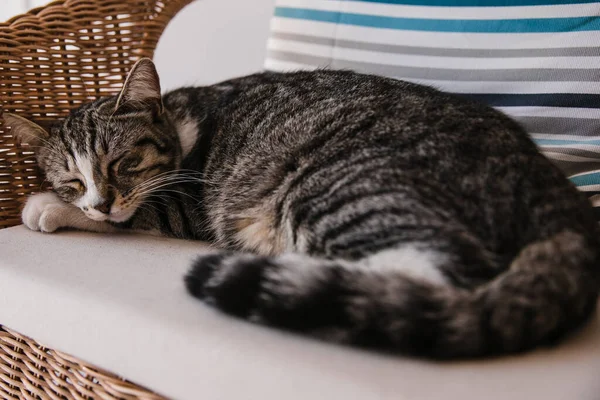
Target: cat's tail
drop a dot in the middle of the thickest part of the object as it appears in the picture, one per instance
(550, 288)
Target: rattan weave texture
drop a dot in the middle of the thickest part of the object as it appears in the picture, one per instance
(30, 371)
(52, 59)
(56, 57)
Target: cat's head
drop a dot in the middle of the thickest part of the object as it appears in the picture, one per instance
(106, 156)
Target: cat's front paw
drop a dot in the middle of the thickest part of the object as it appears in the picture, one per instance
(46, 212)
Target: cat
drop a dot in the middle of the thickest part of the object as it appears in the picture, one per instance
(353, 208)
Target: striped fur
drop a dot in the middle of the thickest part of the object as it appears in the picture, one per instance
(354, 208)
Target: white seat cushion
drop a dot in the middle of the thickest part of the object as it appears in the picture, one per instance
(118, 301)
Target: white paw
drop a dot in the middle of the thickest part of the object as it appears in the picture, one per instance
(46, 212)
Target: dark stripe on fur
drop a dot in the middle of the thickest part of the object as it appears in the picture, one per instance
(389, 310)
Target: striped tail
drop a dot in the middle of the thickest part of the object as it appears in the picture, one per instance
(549, 289)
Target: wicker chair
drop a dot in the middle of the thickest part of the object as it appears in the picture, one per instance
(53, 59)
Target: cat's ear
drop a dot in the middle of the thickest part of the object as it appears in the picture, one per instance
(142, 88)
(25, 130)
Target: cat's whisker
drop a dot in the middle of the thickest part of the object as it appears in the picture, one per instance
(143, 206)
(165, 175)
(27, 158)
(167, 181)
(165, 184)
(153, 192)
(179, 192)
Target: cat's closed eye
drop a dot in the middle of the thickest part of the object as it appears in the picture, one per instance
(76, 184)
(138, 164)
(125, 164)
(70, 189)
(129, 164)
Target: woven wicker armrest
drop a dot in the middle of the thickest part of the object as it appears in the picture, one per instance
(52, 59)
(56, 57)
(29, 370)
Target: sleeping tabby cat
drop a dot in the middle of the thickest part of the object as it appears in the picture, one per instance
(354, 208)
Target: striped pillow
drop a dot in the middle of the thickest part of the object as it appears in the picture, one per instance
(536, 60)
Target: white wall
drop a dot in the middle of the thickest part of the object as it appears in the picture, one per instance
(213, 40)
(10, 8)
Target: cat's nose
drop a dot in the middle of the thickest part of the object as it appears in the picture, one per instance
(104, 208)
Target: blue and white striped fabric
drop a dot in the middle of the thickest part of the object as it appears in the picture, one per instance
(537, 60)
